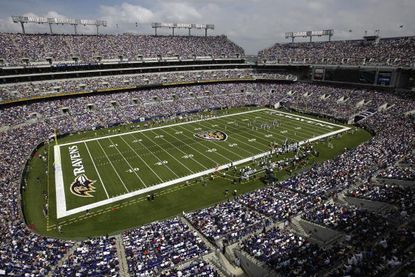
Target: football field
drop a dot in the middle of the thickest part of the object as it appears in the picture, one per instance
(102, 170)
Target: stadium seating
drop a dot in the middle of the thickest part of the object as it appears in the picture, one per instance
(48, 88)
(389, 51)
(374, 244)
(14, 48)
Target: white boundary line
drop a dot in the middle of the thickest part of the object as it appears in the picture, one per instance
(60, 189)
(60, 192)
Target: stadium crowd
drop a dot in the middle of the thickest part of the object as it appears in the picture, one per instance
(161, 246)
(107, 109)
(95, 257)
(402, 197)
(43, 88)
(398, 173)
(374, 245)
(387, 51)
(288, 253)
(196, 268)
(157, 248)
(87, 48)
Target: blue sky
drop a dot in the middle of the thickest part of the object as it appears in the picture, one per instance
(253, 24)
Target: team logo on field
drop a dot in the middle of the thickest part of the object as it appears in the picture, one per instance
(212, 135)
(82, 186)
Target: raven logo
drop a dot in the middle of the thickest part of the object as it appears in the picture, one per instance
(82, 186)
(212, 135)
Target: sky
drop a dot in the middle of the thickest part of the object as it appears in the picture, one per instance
(252, 24)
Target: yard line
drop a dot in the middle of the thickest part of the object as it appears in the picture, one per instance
(304, 130)
(278, 134)
(169, 153)
(189, 145)
(226, 158)
(132, 169)
(156, 156)
(180, 149)
(308, 129)
(249, 145)
(121, 137)
(164, 126)
(96, 169)
(116, 172)
(62, 212)
(292, 133)
(308, 118)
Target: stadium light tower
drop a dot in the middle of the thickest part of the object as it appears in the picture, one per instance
(22, 20)
(310, 34)
(188, 26)
(52, 20)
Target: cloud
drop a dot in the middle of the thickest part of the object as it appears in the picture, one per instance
(7, 25)
(126, 12)
(178, 12)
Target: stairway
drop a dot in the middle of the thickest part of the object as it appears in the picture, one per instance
(121, 256)
(64, 258)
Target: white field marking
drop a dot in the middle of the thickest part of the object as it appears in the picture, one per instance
(249, 145)
(60, 192)
(165, 126)
(63, 212)
(60, 189)
(163, 162)
(141, 158)
(96, 169)
(297, 137)
(304, 117)
(289, 123)
(193, 148)
(125, 159)
(188, 156)
(162, 136)
(218, 153)
(307, 130)
(234, 138)
(293, 121)
(116, 172)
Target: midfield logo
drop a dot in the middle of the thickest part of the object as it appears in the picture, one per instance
(212, 135)
(82, 186)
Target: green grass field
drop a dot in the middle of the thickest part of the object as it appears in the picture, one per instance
(98, 181)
